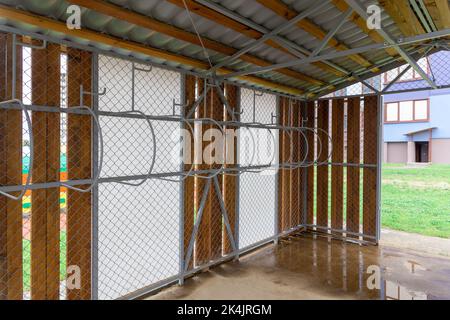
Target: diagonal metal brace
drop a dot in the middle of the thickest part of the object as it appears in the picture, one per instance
(197, 224)
(224, 213)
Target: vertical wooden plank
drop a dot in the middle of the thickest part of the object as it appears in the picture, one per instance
(371, 110)
(310, 123)
(337, 172)
(301, 157)
(295, 173)
(284, 206)
(229, 181)
(11, 279)
(216, 109)
(322, 170)
(45, 202)
(201, 253)
(79, 65)
(189, 183)
(353, 157)
(209, 238)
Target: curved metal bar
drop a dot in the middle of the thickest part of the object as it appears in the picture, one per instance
(100, 165)
(154, 150)
(184, 175)
(300, 164)
(253, 155)
(331, 148)
(274, 144)
(30, 172)
(218, 171)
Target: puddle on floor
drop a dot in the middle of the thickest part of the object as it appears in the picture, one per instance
(311, 267)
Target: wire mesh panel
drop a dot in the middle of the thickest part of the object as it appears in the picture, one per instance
(257, 191)
(138, 231)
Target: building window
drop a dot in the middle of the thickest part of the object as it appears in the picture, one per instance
(407, 111)
(410, 75)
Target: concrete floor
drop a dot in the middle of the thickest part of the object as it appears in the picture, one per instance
(312, 267)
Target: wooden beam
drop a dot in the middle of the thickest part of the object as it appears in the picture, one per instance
(295, 173)
(216, 111)
(79, 72)
(209, 237)
(337, 172)
(45, 84)
(50, 24)
(362, 24)
(440, 12)
(353, 156)
(225, 21)
(310, 123)
(322, 170)
(230, 182)
(310, 27)
(11, 270)
(371, 110)
(403, 16)
(284, 176)
(189, 182)
(180, 34)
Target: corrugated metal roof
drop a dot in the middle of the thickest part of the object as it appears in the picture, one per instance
(350, 34)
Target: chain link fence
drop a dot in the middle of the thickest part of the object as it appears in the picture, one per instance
(94, 144)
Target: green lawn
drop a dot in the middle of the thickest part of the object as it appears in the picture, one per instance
(417, 199)
(27, 260)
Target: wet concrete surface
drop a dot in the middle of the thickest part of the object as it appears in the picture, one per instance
(315, 267)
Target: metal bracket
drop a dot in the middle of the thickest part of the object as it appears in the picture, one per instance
(95, 94)
(176, 104)
(100, 162)
(32, 46)
(30, 173)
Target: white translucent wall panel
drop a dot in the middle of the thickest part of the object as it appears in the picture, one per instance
(138, 226)
(138, 236)
(257, 191)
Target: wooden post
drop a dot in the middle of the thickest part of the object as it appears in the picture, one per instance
(310, 123)
(284, 177)
(337, 172)
(189, 183)
(295, 173)
(11, 279)
(45, 202)
(79, 72)
(371, 109)
(322, 170)
(230, 182)
(216, 112)
(209, 238)
(353, 156)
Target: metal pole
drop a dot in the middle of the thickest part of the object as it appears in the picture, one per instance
(237, 216)
(266, 37)
(379, 165)
(342, 19)
(340, 54)
(277, 177)
(224, 212)
(197, 224)
(294, 48)
(181, 192)
(363, 13)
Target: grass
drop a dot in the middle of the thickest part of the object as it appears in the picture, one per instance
(27, 261)
(417, 199)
